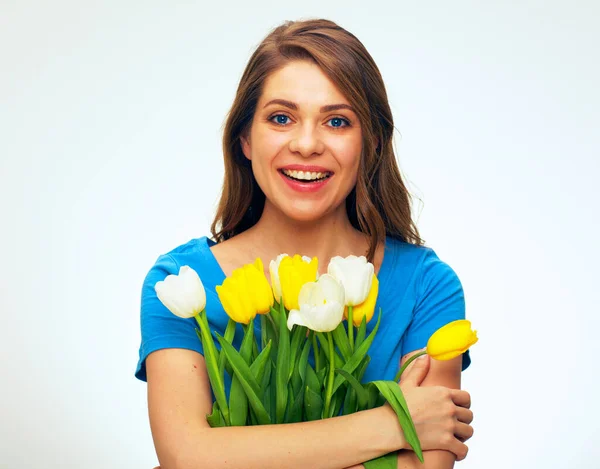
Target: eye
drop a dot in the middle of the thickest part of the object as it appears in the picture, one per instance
(280, 119)
(338, 122)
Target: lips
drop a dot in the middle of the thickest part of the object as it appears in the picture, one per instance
(309, 185)
(304, 167)
(306, 174)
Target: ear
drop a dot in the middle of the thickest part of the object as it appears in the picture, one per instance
(245, 143)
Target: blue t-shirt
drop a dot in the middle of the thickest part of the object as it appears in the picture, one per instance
(418, 294)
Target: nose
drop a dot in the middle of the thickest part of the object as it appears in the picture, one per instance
(306, 142)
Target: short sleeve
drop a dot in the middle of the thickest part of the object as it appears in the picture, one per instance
(159, 327)
(440, 300)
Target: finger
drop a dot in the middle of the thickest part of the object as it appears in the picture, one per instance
(464, 415)
(463, 432)
(459, 449)
(461, 398)
(416, 372)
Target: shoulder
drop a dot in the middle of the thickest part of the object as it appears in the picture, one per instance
(411, 256)
(420, 264)
(195, 253)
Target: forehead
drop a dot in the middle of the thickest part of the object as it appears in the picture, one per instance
(304, 83)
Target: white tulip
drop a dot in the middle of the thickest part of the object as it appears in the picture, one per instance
(182, 294)
(321, 305)
(355, 274)
(274, 271)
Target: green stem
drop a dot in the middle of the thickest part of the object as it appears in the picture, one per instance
(316, 348)
(351, 327)
(331, 377)
(263, 332)
(408, 362)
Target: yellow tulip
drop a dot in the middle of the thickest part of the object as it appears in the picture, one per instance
(246, 293)
(451, 340)
(367, 307)
(293, 273)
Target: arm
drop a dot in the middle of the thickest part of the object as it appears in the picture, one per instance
(441, 373)
(179, 398)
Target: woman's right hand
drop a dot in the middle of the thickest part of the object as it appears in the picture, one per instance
(441, 415)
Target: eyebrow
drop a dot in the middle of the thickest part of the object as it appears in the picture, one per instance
(294, 106)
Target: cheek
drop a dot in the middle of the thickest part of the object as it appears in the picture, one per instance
(267, 145)
(348, 153)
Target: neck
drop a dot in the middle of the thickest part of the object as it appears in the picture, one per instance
(332, 235)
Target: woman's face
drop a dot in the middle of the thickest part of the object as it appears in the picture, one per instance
(304, 143)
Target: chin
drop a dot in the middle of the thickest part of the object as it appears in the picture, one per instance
(305, 212)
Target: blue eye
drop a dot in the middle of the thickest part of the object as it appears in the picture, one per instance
(338, 122)
(280, 119)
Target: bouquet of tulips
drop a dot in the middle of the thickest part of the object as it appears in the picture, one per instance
(272, 379)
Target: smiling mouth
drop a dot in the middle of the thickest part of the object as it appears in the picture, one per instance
(305, 176)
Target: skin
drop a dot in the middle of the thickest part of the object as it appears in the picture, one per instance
(179, 394)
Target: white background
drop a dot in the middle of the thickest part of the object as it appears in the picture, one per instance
(110, 124)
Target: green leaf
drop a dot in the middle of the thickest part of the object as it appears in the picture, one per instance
(265, 387)
(373, 395)
(408, 421)
(229, 335)
(275, 316)
(290, 403)
(350, 401)
(270, 327)
(239, 365)
(246, 377)
(362, 332)
(264, 337)
(296, 381)
(313, 404)
(325, 347)
(247, 341)
(340, 338)
(321, 375)
(357, 356)
(295, 410)
(298, 333)
(312, 380)
(282, 371)
(360, 371)
(361, 394)
(322, 359)
(337, 401)
(404, 418)
(272, 387)
(238, 403)
(303, 361)
(259, 366)
(216, 418)
(387, 461)
(211, 358)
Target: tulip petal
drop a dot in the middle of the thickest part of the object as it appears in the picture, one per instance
(367, 308)
(274, 271)
(355, 274)
(182, 294)
(295, 318)
(293, 273)
(451, 340)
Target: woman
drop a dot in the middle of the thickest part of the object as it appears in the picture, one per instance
(310, 169)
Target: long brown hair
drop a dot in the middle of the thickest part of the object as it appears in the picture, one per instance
(379, 204)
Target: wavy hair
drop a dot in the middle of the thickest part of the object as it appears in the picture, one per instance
(380, 204)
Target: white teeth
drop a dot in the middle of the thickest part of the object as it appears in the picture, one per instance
(304, 175)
